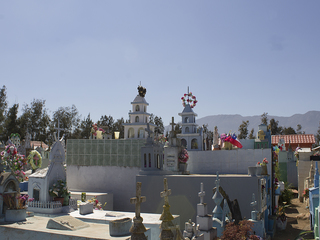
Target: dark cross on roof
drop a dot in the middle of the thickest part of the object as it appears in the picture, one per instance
(59, 129)
(166, 193)
(148, 130)
(201, 194)
(138, 199)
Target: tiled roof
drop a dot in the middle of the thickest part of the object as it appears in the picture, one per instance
(36, 144)
(295, 138)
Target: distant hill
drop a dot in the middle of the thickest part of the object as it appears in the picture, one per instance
(225, 123)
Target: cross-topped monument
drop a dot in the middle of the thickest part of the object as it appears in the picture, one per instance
(138, 199)
(202, 193)
(166, 193)
(138, 229)
(148, 130)
(254, 202)
(172, 127)
(59, 129)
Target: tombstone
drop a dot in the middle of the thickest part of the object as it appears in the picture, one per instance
(171, 153)
(217, 211)
(204, 220)
(9, 184)
(216, 139)
(66, 223)
(151, 156)
(258, 224)
(43, 179)
(138, 229)
(192, 231)
(168, 230)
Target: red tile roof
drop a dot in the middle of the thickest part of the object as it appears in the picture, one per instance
(36, 144)
(295, 138)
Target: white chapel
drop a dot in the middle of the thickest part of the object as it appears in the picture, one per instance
(139, 117)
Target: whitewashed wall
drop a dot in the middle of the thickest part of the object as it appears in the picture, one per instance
(121, 181)
(227, 161)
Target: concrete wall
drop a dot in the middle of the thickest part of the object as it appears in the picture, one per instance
(303, 171)
(227, 161)
(185, 188)
(105, 179)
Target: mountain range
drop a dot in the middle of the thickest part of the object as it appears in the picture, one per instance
(226, 123)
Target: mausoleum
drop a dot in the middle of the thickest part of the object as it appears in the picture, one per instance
(139, 117)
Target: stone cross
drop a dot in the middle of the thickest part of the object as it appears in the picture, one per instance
(138, 199)
(254, 202)
(59, 129)
(172, 124)
(148, 130)
(201, 194)
(166, 193)
(217, 181)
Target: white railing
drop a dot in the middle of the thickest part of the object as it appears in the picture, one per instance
(73, 203)
(38, 204)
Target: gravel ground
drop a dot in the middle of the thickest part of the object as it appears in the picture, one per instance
(297, 222)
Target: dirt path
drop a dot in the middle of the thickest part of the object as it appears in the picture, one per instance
(297, 222)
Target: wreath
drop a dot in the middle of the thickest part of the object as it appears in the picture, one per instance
(188, 98)
(35, 159)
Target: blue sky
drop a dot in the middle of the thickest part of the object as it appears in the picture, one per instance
(238, 57)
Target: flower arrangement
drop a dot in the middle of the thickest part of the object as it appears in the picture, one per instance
(96, 204)
(242, 230)
(280, 213)
(10, 201)
(183, 156)
(59, 189)
(35, 159)
(317, 153)
(263, 163)
(188, 98)
(306, 193)
(95, 128)
(161, 138)
(15, 161)
(296, 152)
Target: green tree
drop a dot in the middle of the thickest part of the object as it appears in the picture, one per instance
(251, 135)
(106, 121)
(3, 109)
(35, 120)
(11, 123)
(69, 120)
(85, 127)
(298, 131)
(159, 125)
(264, 118)
(274, 127)
(243, 130)
(118, 126)
(317, 136)
(288, 131)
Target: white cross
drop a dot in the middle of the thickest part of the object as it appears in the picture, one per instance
(58, 128)
(166, 192)
(254, 202)
(202, 193)
(138, 199)
(217, 181)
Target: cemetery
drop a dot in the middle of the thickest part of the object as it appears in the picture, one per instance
(145, 187)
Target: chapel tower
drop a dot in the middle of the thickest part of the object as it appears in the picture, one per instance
(139, 117)
(190, 138)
